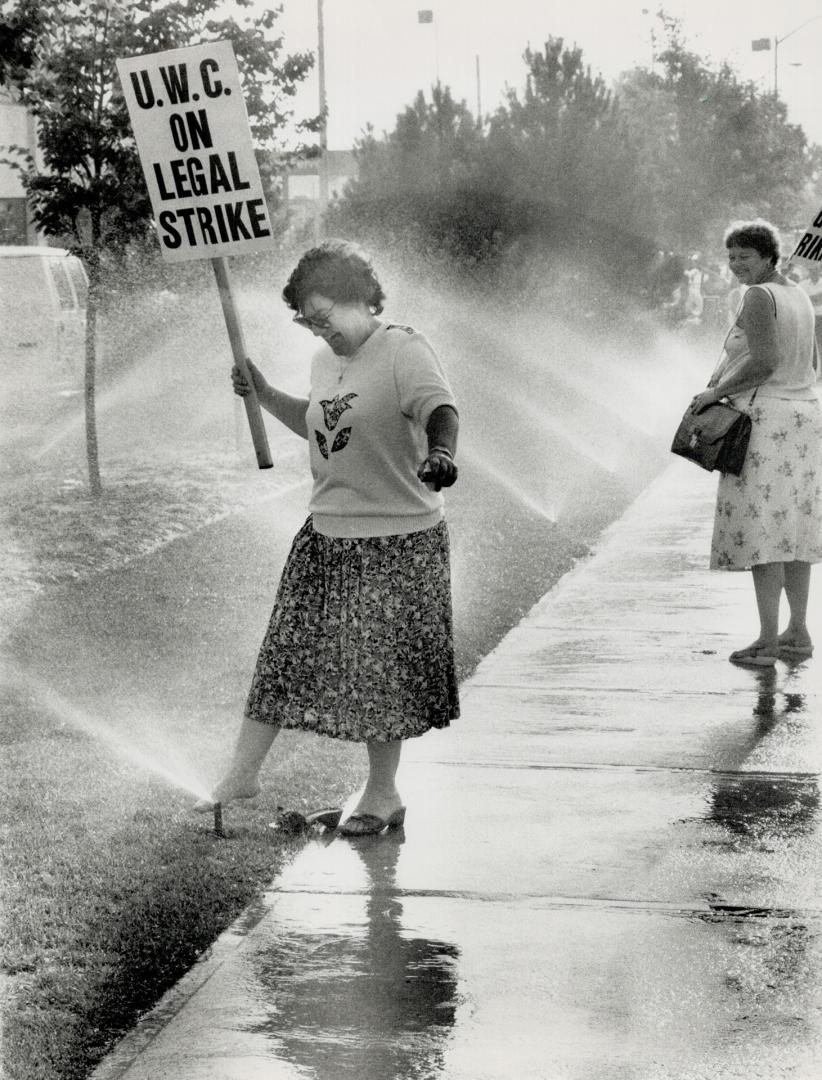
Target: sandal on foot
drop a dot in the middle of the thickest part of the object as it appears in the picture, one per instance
(753, 656)
(795, 652)
(371, 824)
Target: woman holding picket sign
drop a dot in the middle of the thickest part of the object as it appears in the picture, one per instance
(769, 518)
(359, 645)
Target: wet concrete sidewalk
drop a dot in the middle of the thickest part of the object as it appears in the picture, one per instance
(611, 865)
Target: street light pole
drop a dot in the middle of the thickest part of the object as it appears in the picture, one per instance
(479, 94)
(323, 109)
(646, 11)
(778, 41)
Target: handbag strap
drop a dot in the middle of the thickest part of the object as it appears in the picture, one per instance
(725, 342)
(730, 329)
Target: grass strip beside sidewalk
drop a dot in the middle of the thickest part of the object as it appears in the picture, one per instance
(112, 888)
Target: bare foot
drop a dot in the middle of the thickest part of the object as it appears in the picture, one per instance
(228, 790)
(380, 805)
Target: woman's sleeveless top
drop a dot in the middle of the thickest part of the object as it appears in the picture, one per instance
(795, 375)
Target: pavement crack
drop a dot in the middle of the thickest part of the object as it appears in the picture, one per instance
(702, 909)
(592, 766)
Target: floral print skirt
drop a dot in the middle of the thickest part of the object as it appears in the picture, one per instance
(772, 512)
(360, 642)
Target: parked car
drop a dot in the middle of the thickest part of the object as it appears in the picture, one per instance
(43, 294)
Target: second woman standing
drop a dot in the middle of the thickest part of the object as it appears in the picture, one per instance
(769, 518)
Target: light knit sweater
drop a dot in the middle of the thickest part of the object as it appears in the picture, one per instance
(366, 421)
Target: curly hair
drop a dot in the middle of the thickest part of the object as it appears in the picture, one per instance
(758, 234)
(338, 269)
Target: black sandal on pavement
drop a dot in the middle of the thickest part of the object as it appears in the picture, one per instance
(754, 656)
(329, 817)
(371, 824)
(746, 659)
(292, 822)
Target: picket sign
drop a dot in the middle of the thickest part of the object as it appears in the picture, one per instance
(191, 128)
(809, 248)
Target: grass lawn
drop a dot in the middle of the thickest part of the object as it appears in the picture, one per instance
(110, 897)
(110, 887)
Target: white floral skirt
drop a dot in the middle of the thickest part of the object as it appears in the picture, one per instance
(772, 512)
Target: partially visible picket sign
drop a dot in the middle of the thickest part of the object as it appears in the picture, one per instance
(809, 248)
(193, 137)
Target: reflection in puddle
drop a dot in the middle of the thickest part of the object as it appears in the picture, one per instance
(758, 805)
(358, 994)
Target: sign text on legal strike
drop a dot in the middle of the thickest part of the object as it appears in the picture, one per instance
(194, 141)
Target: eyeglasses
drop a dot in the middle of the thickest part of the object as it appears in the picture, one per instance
(316, 321)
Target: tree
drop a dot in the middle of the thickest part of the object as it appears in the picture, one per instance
(562, 146)
(550, 126)
(711, 147)
(59, 59)
(415, 180)
(556, 166)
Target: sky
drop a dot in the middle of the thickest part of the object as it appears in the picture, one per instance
(377, 54)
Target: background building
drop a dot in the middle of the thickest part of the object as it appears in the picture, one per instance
(301, 184)
(16, 129)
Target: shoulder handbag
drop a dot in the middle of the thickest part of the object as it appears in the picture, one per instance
(718, 436)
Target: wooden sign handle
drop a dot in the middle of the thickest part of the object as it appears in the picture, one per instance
(238, 349)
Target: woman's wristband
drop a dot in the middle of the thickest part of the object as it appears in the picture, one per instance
(441, 450)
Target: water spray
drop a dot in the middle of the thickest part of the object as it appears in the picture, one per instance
(162, 763)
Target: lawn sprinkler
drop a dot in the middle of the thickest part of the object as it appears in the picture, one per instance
(218, 820)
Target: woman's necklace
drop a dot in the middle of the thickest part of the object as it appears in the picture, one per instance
(343, 362)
